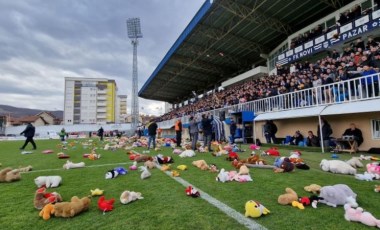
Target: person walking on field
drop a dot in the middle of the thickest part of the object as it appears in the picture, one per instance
(233, 131)
(178, 132)
(101, 133)
(193, 129)
(207, 129)
(62, 134)
(152, 131)
(29, 134)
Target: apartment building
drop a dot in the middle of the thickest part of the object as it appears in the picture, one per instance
(89, 101)
(121, 108)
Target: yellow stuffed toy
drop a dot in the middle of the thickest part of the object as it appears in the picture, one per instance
(182, 167)
(175, 173)
(165, 167)
(47, 211)
(96, 192)
(255, 209)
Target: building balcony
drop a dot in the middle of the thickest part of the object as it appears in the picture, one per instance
(101, 98)
(100, 110)
(102, 92)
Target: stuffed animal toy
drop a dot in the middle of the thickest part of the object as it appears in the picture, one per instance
(373, 168)
(201, 164)
(144, 172)
(71, 165)
(297, 204)
(150, 164)
(222, 176)
(244, 170)
(175, 173)
(42, 198)
(47, 211)
(358, 215)
(62, 155)
(121, 170)
(313, 188)
(295, 154)
(367, 158)
(94, 156)
(133, 166)
(48, 151)
(143, 158)
(48, 181)
(337, 166)
(213, 168)
(160, 159)
(255, 209)
(105, 205)
(314, 200)
(190, 191)
(182, 167)
(24, 169)
(96, 192)
(288, 197)
(273, 152)
(72, 208)
(177, 151)
(127, 197)
(366, 176)
(377, 188)
(232, 156)
(165, 167)
(284, 165)
(338, 194)
(111, 174)
(355, 162)
(187, 153)
(9, 175)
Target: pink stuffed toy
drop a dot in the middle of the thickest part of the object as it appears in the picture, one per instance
(358, 215)
(373, 168)
(254, 147)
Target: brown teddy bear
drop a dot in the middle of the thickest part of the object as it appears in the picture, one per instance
(9, 175)
(70, 209)
(42, 198)
(288, 197)
(201, 164)
(314, 188)
(47, 211)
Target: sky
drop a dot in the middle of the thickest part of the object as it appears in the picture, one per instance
(42, 42)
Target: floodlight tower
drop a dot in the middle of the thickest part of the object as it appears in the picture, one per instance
(134, 32)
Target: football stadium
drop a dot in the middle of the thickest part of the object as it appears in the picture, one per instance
(274, 115)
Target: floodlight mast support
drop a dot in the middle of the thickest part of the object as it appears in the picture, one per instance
(134, 32)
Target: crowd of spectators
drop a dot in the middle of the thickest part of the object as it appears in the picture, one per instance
(358, 58)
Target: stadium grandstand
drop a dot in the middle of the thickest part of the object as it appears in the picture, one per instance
(293, 62)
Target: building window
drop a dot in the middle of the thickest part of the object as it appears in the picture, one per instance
(375, 124)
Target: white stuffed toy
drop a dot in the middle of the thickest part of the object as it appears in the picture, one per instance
(337, 166)
(355, 162)
(71, 165)
(129, 196)
(111, 174)
(367, 176)
(48, 181)
(339, 194)
(187, 153)
(222, 176)
(144, 172)
(358, 215)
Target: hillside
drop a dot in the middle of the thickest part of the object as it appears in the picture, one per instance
(20, 112)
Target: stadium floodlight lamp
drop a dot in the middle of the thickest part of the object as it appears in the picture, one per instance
(134, 28)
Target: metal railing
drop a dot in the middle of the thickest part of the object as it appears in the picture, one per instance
(357, 89)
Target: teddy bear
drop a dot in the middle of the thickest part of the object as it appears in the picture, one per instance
(338, 194)
(358, 215)
(150, 164)
(71, 165)
(129, 196)
(377, 188)
(72, 208)
(48, 181)
(24, 169)
(111, 174)
(255, 209)
(96, 192)
(144, 172)
(9, 175)
(222, 176)
(143, 158)
(47, 211)
(201, 164)
(244, 170)
(288, 197)
(160, 159)
(190, 191)
(355, 162)
(337, 166)
(105, 205)
(42, 198)
(313, 188)
(187, 153)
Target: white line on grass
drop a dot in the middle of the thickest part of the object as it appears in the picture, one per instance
(249, 223)
(91, 166)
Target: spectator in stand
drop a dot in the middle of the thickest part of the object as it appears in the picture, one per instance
(357, 133)
(152, 131)
(297, 138)
(233, 130)
(207, 129)
(178, 132)
(335, 54)
(312, 140)
(194, 131)
(29, 132)
(366, 83)
(326, 132)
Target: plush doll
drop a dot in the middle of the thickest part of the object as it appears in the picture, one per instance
(232, 156)
(355, 162)
(72, 208)
(222, 176)
(48, 181)
(177, 151)
(284, 165)
(9, 175)
(273, 152)
(182, 167)
(160, 159)
(24, 169)
(366, 176)
(367, 158)
(288, 197)
(255, 209)
(313, 188)
(175, 173)
(373, 168)
(337, 166)
(244, 170)
(96, 192)
(42, 198)
(121, 170)
(165, 167)
(213, 168)
(47, 211)
(62, 155)
(105, 205)
(48, 151)
(94, 156)
(358, 215)
(144, 172)
(129, 196)
(297, 204)
(71, 165)
(190, 191)
(296, 154)
(150, 164)
(201, 164)
(143, 158)
(111, 174)
(338, 194)
(187, 153)
(133, 166)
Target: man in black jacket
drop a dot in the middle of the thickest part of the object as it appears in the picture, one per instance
(29, 134)
(353, 131)
(152, 131)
